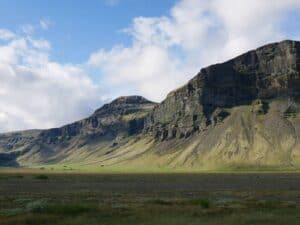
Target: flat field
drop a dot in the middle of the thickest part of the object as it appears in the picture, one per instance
(149, 199)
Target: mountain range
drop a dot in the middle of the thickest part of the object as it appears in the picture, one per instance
(243, 113)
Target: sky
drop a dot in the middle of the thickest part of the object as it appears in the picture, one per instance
(62, 59)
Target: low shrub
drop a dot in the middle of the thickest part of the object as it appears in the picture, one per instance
(41, 177)
(68, 209)
(36, 206)
(204, 203)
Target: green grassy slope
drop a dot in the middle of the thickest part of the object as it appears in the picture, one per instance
(245, 140)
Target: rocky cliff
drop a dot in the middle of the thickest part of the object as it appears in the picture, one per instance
(241, 113)
(269, 72)
(123, 116)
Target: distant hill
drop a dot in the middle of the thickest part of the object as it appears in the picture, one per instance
(243, 113)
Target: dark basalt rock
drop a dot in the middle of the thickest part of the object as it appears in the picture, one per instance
(260, 107)
(9, 159)
(106, 121)
(271, 71)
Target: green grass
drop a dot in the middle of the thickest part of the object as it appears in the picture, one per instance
(73, 199)
(136, 115)
(153, 214)
(227, 168)
(41, 177)
(204, 203)
(69, 209)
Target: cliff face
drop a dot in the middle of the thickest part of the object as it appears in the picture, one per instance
(269, 72)
(245, 111)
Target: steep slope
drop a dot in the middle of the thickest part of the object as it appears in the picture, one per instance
(108, 126)
(244, 112)
(241, 113)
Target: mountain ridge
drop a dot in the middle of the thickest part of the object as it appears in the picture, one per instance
(240, 112)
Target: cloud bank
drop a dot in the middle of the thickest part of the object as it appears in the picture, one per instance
(36, 92)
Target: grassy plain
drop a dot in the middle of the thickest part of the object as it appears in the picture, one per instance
(35, 197)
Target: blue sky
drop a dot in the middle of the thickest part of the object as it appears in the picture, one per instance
(79, 27)
(62, 59)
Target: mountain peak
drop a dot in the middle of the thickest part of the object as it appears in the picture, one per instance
(282, 43)
(134, 99)
(124, 104)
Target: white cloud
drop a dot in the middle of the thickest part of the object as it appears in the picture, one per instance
(28, 29)
(6, 34)
(45, 24)
(39, 43)
(3, 116)
(140, 69)
(36, 92)
(168, 50)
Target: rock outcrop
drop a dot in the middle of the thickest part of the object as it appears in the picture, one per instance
(123, 116)
(269, 72)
